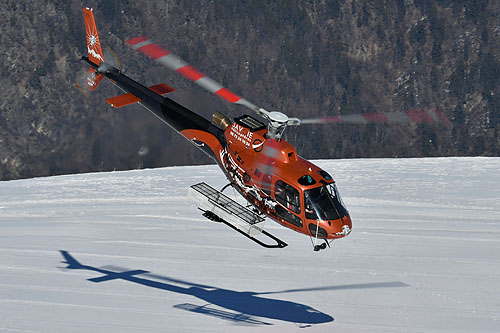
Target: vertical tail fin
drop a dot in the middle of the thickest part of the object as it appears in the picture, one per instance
(93, 43)
(72, 262)
(93, 48)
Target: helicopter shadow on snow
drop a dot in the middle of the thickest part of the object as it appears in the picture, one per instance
(239, 307)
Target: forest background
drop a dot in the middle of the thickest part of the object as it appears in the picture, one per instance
(303, 58)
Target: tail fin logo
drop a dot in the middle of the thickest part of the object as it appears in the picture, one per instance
(94, 54)
(92, 40)
(93, 43)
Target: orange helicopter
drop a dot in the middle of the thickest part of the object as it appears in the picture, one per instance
(265, 169)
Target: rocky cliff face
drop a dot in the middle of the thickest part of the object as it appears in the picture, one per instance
(306, 58)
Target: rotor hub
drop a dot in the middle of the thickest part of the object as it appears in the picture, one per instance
(278, 117)
(276, 124)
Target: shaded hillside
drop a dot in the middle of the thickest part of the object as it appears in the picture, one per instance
(302, 58)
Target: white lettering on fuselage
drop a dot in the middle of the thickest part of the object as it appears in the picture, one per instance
(241, 134)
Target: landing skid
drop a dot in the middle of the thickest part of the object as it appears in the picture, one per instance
(278, 245)
(220, 208)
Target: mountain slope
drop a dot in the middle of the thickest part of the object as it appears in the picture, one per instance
(127, 251)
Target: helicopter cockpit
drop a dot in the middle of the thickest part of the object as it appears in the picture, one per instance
(317, 206)
(324, 203)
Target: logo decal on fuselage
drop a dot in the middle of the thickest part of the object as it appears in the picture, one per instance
(257, 145)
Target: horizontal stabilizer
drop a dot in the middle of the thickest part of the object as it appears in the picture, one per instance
(123, 100)
(129, 98)
(162, 89)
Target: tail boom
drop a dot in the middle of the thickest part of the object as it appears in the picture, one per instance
(195, 128)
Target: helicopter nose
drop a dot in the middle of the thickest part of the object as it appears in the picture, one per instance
(346, 230)
(347, 221)
(343, 228)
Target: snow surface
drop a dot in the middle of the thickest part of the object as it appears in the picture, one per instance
(424, 255)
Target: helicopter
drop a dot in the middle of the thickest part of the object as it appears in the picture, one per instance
(259, 164)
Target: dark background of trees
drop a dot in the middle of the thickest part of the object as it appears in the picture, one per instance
(304, 58)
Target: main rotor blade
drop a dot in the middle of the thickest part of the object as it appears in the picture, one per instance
(175, 63)
(170, 60)
(410, 116)
(392, 284)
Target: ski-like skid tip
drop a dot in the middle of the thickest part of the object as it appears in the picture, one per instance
(278, 243)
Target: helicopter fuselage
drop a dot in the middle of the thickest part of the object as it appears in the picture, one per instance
(276, 181)
(266, 171)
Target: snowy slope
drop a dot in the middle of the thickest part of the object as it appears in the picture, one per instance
(424, 255)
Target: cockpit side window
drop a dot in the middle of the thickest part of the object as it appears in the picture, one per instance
(287, 195)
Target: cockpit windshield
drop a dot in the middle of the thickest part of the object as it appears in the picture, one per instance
(324, 203)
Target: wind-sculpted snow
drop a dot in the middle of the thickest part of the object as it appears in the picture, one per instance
(128, 252)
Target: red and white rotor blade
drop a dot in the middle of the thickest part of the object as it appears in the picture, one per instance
(410, 116)
(170, 60)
